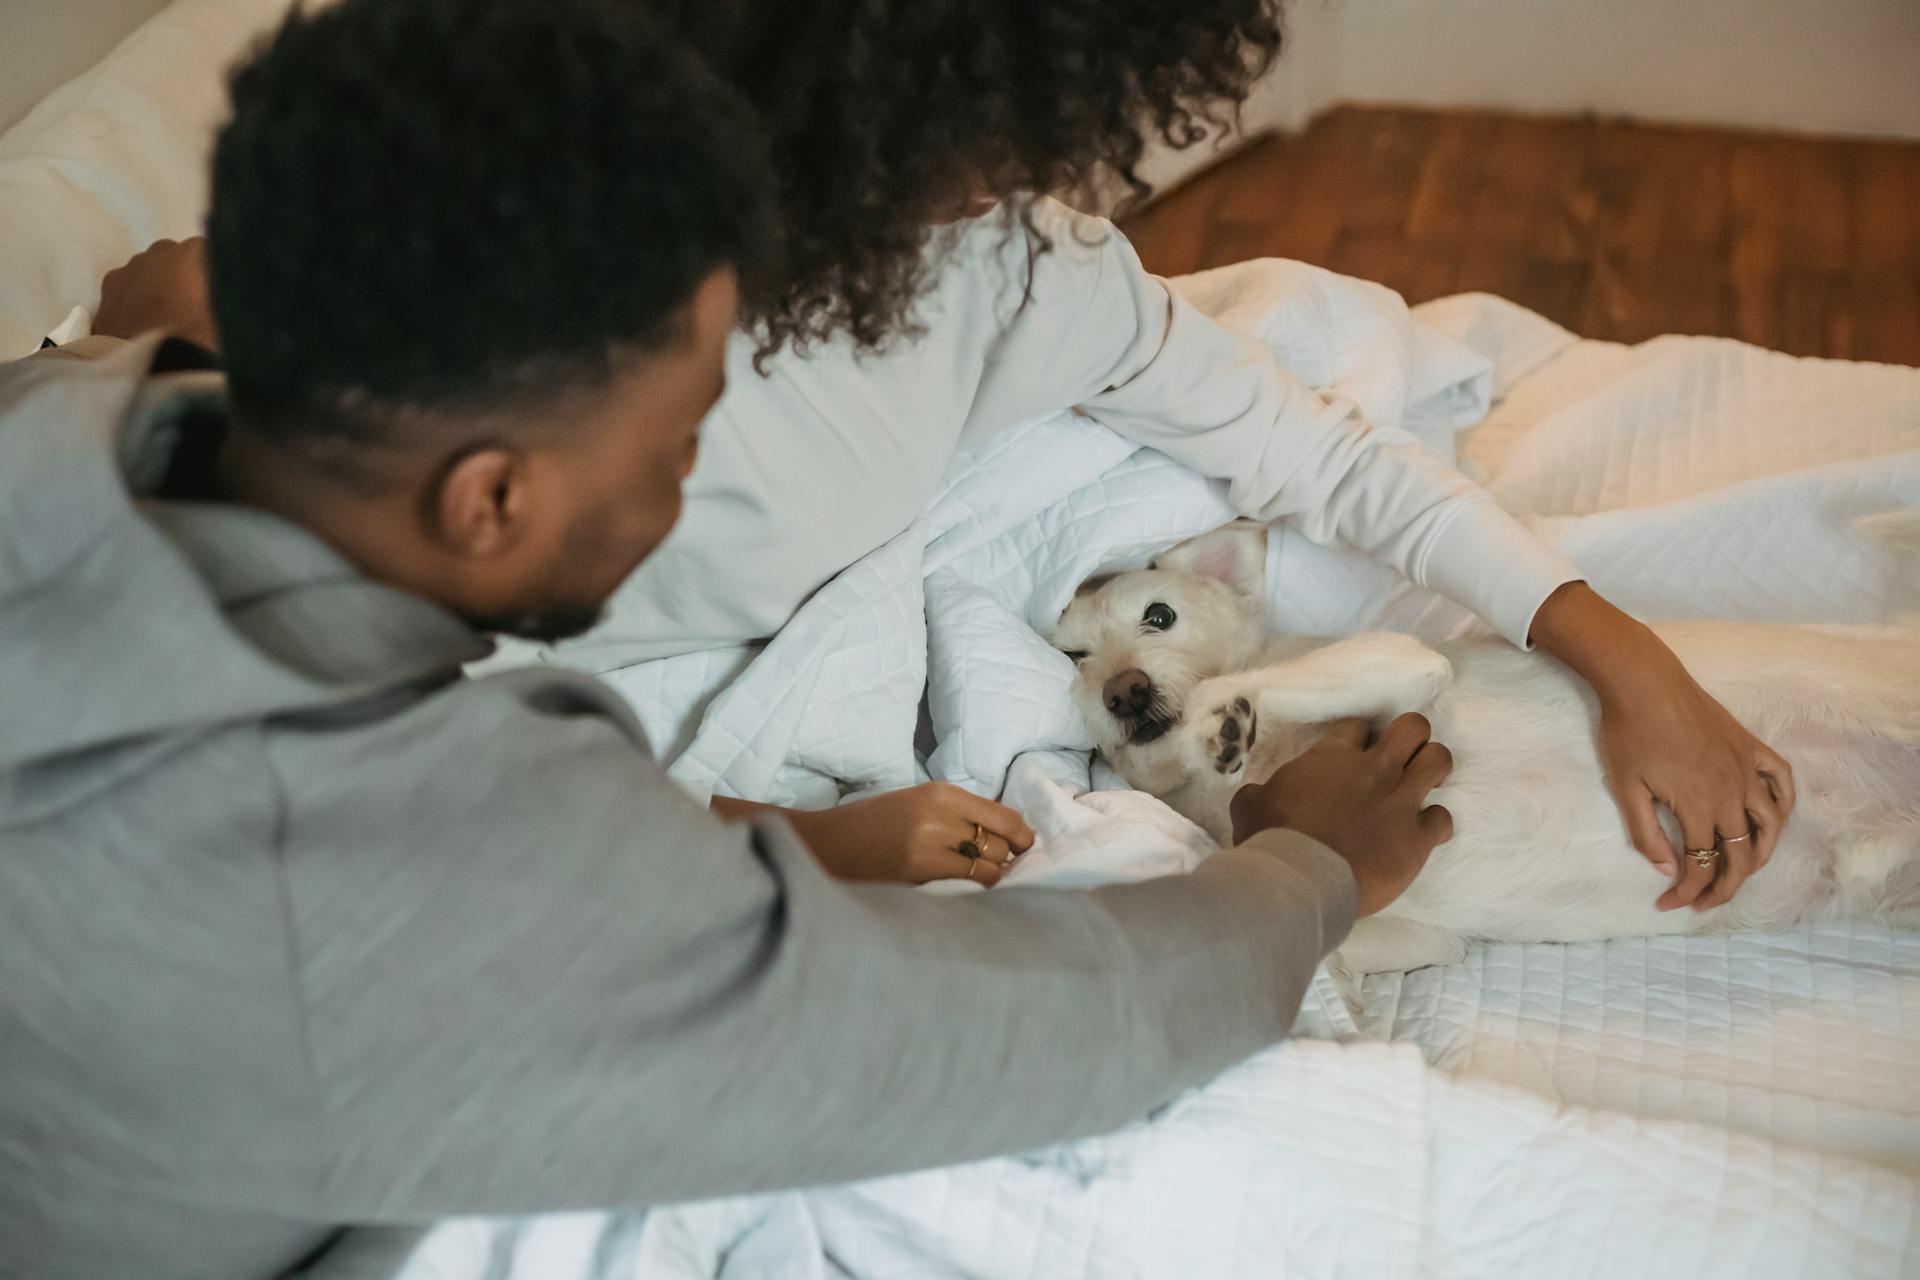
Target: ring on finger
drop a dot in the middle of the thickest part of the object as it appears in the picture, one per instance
(1727, 840)
(971, 849)
(1704, 858)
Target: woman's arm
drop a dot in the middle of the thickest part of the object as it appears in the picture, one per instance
(1159, 372)
(1103, 333)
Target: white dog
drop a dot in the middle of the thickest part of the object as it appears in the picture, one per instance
(1189, 698)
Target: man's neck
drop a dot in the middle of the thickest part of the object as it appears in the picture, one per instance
(250, 470)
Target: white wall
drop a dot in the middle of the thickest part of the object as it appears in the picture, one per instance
(1815, 66)
(1820, 66)
(45, 43)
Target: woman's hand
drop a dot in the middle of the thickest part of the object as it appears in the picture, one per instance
(935, 831)
(1664, 740)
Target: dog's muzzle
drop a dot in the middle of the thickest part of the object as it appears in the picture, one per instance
(1128, 694)
(1151, 730)
(1132, 699)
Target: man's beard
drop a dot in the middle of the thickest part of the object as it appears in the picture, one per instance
(547, 624)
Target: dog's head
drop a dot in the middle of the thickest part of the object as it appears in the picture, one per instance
(1141, 641)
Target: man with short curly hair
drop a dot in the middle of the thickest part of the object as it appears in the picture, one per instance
(300, 929)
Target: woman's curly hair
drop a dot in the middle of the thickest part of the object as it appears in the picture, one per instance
(885, 116)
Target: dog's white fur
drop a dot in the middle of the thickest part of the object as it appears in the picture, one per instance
(1540, 852)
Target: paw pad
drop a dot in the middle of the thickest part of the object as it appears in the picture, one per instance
(1234, 737)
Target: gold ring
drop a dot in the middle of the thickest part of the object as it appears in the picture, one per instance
(1735, 839)
(970, 866)
(1704, 857)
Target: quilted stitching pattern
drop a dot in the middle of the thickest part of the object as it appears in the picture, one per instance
(1811, 1037)
(1310, 1159)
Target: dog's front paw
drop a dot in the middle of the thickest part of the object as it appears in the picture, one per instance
(1225, 736)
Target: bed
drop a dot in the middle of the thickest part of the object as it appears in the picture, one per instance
(1743, 1106)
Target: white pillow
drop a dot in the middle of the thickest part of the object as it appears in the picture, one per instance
(113, 160)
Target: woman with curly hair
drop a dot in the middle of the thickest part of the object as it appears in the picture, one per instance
(934, 294)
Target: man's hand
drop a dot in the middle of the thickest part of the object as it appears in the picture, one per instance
(1665, 741)
(1364, 798)
(935, 831)
(164, 287)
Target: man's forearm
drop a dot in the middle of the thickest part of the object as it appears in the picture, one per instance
(945, 1030)
(814, 1032)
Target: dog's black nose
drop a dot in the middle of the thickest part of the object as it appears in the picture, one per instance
(1128, 693)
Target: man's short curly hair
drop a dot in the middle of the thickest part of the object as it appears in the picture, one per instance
(886, 114)
(423, 203)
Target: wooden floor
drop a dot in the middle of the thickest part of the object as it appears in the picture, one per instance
(1616, 230)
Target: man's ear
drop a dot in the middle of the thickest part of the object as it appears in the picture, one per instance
(1235, 554)
(480, 506)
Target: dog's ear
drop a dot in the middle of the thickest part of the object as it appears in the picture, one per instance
(1235, 554)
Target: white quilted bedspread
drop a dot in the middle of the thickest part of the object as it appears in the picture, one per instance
(1745, 1106)
(1312, 1159)
(1811, 1037)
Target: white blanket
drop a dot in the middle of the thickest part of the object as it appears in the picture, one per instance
(1742, 1107)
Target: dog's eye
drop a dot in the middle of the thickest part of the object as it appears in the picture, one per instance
(1158, 616)
(1075, 655)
